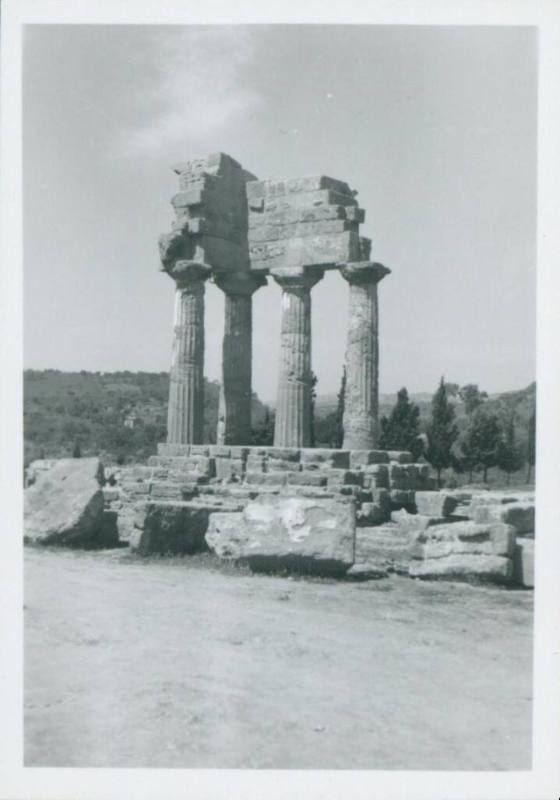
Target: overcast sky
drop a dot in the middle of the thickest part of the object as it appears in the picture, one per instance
(435, 128)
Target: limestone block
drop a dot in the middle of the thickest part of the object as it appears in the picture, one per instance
(360, 458)
(499, 536)
(65, 505)
(281, 465)
(401, 498)
(292, 186)
(170, 528)
(307, 478)
(111, 494)
(376, 476)
(520, 515)
(240, 452)
(266, 478)
(372, 514)
(400, 456)
(321, 250)
(383, 547)
(256, 463)
(336, 477)
(167, 450)
(289, 454)
(289, 215)
(331, 458)
(465, 565)
(415, 522)
(435, 504)
(200, 450)
(134, 488)
(270, 233)
(524, 563)
(366, 572)
(305, 534)
(223, 468)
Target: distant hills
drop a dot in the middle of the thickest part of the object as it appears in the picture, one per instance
(121, 416)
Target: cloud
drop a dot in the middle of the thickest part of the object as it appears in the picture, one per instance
(195, 89)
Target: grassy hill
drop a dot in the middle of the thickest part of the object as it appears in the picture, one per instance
(120, 416)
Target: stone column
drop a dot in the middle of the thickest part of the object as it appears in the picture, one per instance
(185, 413)
(234, 412)
(293, 405)
(361, 399)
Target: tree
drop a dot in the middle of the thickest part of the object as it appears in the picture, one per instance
(509, 456)
(442, 432)
(339, 419)
(401, 430)
(312, 398)
(263, 434)
(472, 397)
(531, 442)
(482, 441)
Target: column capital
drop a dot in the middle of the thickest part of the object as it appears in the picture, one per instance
(363, 272)
(189, 274)
(240, 283)
(293, 278)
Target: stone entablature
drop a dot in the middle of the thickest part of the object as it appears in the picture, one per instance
(236, 230)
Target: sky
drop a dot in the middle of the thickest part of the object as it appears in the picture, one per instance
(435, 127)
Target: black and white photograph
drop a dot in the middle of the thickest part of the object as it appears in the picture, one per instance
(279, 469)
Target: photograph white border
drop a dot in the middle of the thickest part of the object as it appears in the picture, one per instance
(543, 781)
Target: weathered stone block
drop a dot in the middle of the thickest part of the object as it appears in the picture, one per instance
(383, 547)
(332, 458)
(520, 515)
(415, 522)
(307, 478)
(400, 456)
(401, 498)
(337, 477)
(266, 478)
(289, 454)
(172, 450)
(170, 528)
(372, 514)
(256, 463)
(304, 534)
(482, 567)
(223, 468)
(435, 504)
(360, 458)
(524, 563)
(240, 452)
(281, 465)
(65, 505)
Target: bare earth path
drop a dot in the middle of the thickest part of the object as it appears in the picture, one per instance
(179, 664)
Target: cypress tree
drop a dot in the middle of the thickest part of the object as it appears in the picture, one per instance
(442, 432)
(400, 431)
(509, 457)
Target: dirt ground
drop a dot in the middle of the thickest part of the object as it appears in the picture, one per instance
(183, 663)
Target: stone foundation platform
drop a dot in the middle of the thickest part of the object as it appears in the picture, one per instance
(215, 476)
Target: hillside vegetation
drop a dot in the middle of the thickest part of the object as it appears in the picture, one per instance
(121, 416)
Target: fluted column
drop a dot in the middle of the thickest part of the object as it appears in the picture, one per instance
(293, 406)
(361, 398)
(185, 413)
(234, 411)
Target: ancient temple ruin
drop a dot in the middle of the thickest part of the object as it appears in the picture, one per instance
(237, 230)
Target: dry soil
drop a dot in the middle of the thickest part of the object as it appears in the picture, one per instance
(183, 663)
